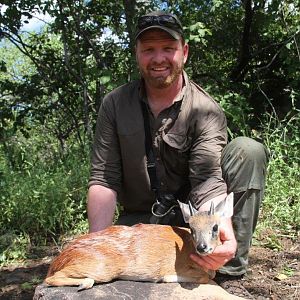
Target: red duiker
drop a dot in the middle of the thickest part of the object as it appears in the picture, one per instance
(144, 252)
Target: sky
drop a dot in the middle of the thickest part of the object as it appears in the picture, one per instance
(35, 24)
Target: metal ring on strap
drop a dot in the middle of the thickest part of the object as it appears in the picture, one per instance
(164, 214)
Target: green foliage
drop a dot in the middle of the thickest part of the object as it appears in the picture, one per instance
(271, 241)
(198, 33)
(281, 206)
(13, 246)
(288, 271)
(237, 111)
(44, 193)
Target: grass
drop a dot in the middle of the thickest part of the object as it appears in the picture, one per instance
(281, 206)
(43, 198)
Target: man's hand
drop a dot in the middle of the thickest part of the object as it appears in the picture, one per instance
(222, 253)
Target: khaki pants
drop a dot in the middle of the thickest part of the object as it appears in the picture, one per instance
(244, 164)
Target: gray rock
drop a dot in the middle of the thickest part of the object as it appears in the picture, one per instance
(131, 290)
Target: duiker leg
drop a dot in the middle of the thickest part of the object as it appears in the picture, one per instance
(60, 279)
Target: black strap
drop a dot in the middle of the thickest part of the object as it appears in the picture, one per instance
(151, 167)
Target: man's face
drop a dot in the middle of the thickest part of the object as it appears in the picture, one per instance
(160, 58)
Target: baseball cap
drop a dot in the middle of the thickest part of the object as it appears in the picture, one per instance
(160, 20)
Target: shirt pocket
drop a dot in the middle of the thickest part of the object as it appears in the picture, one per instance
(177, 153)
(180, 143)
(132, 144)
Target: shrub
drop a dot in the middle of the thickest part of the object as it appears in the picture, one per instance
(43, 195)
(281, 206)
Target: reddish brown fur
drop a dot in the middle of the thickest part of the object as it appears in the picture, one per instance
(141, 252)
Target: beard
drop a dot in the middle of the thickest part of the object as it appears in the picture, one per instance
(161, 82)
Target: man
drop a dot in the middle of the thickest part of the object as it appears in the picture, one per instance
(188, 145)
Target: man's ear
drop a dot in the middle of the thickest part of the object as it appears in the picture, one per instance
(225, 207)
(187, 210)
(185, 52)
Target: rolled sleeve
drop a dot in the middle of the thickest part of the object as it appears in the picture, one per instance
(106, 159)
(205, 156)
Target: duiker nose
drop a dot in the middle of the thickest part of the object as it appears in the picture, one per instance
(201, 248)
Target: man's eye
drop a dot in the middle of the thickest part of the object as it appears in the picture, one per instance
(147, 50)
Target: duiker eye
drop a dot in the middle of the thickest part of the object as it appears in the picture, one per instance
(215, 228)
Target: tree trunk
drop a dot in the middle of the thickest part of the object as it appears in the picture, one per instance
(130, 8)
(240, 70)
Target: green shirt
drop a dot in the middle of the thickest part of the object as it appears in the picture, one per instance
(188, 138)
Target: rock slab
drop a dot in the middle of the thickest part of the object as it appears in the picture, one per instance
(131, 290)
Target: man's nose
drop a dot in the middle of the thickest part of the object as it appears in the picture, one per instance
(158, 56)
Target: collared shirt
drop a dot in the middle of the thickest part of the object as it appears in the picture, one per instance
(188, 138)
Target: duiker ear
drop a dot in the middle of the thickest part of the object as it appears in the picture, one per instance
(225, 207)
(212, 209)
(187, 211)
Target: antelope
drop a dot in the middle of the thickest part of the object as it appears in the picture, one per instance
(143, 252)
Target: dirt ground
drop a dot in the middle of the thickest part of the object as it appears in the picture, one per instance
(272, 274)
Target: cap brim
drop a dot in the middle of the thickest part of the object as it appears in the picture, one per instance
(176, 35)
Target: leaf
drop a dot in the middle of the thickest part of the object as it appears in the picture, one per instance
(281, 277)
(26, 286)
(104, 79)
(288, 45)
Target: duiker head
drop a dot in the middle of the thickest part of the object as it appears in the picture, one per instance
(205, 225)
